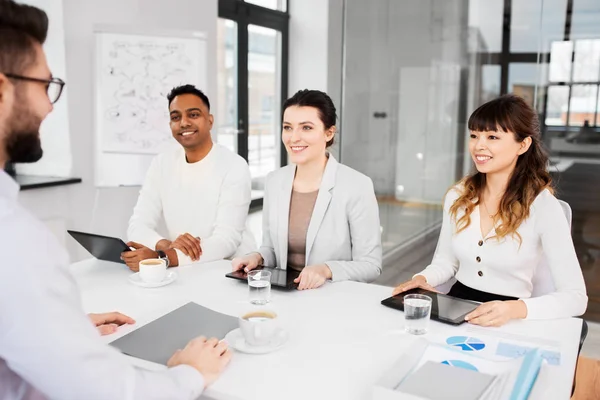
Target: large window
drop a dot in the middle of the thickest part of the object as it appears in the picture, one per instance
(413, 73)
(252, 82)
(547, 51)
(280, 5)
(573, 86)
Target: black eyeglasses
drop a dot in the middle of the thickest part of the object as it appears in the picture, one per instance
(54, 86)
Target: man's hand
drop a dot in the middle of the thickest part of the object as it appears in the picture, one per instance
(163, 245)
(108, 323)
(188, 245)
(133, 258)
(209, 357)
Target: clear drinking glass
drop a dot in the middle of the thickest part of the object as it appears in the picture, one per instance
(417, 311)
(259, 285)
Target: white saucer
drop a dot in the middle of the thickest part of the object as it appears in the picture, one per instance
(136, 280)
(236, 340)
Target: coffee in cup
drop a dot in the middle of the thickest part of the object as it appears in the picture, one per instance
(153, 270)
(258, 327)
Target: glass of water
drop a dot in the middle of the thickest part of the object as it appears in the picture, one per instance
(259, 284)
(417, 311)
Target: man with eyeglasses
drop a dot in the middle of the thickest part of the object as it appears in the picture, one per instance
(49, 348)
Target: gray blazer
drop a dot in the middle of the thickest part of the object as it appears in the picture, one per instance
(343, 232)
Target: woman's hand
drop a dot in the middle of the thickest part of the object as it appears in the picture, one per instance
(247, 263)
(497, 313)
(313, 276)
(418, 281)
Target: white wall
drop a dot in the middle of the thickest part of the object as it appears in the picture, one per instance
(54, 132)
(315, 55)
(78, 206)
(308, 45)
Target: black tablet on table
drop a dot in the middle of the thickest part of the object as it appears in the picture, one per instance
(102, 247)
(444, 308)
(280, 278)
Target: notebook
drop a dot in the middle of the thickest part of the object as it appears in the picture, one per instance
(159, 339)
(450, 382)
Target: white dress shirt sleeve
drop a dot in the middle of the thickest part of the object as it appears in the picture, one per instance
(230, 222)
(570, 297)
(47, 340)
(365, 233)
(444, 265)
(148, 210)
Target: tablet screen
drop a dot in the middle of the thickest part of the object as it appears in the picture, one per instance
(442, 307)
(279, 277)
(102, 247)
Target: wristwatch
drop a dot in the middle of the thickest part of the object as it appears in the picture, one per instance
(163, 256)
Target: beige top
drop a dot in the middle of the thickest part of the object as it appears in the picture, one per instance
(301, 209)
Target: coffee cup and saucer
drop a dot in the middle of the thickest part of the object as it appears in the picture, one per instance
(259, 333)
(153, 273)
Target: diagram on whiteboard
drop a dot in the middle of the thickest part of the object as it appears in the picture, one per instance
(134, 75)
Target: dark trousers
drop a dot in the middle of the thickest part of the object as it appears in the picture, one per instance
(464, 292)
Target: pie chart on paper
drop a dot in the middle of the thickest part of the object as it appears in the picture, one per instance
(460, 364)
(466, 343)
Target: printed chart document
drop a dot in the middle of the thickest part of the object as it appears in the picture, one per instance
(468, 375)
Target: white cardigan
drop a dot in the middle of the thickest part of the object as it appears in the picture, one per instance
(507, 267)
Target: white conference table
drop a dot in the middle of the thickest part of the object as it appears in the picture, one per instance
(342, 340)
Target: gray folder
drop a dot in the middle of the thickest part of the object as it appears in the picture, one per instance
(436, 381)
(158, 340)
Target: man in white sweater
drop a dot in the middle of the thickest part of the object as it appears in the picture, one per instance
(201, 189)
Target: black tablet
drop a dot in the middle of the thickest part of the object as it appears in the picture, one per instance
(102, 247)
(280, 278)
(444, 308)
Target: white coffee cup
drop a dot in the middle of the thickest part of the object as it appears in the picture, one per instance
(153, 270)
(259, 327)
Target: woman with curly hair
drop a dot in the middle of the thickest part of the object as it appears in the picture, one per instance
(501, 221)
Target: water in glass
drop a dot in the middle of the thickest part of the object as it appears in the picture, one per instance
(417, 311)
(259, 285)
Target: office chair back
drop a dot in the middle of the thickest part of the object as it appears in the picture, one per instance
(543, 283)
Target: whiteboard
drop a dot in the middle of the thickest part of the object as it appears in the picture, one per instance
(134, 73)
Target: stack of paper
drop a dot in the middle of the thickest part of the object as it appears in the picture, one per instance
(433, 371)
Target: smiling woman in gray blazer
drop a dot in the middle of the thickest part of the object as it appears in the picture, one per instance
(319, 217)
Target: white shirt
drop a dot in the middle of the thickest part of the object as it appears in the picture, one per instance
(48, 346)
(208, 199)
(507, 267)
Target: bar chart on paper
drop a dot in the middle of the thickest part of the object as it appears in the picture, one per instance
(511, 350)
(466, 343)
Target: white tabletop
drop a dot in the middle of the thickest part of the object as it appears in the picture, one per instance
(342, 340)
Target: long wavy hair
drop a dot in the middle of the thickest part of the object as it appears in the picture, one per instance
(511, 114)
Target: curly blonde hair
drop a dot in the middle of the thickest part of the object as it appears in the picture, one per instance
(511, 114)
